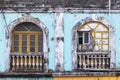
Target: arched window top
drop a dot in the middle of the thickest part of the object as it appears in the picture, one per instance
(27, 37)
(94, 33)
(97, 26)
(27, 26)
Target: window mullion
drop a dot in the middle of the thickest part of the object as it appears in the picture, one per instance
(83, 38)
(20, 42)
(28, 43)
(36, 42)
(13, 43)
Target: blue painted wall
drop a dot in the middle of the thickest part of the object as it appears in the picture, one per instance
(70, 19)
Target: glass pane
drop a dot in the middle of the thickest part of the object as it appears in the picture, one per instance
(40, 49)
(27, 26)
(40, 42)
(16, 37)
(16, 43)
(15, 49)
(86, 37)
(80, 40)
(40, 37)
(20, 28)
(105, 35)
(32, 49)
(32, 43)
(24, 43)
(35, 28)
(32, 37)
(24, 37)
(98, 35)
(24, 49)
(80, 33)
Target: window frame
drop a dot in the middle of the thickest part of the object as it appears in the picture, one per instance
(83, 37)
(28, 33)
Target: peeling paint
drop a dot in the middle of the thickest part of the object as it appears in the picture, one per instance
(59, 34)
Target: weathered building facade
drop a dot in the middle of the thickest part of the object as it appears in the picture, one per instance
(50, 40)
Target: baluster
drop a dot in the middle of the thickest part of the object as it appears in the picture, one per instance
(13, 62)
(40, 62)
(92, 61)
(79, 61)
(29, 64)
(37, 63)
(84, 64)
(33, 62)
(88, 61)
(104, 62)
(17, 64)
(96, 62)
(21, 58)
(107, 62)
(100, 57)
(25, 62)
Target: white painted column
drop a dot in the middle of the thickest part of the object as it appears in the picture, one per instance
(59, 45)
(112, 47)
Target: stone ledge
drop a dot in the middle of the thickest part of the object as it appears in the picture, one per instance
(61, 74)
(27, 75)
(86, 73)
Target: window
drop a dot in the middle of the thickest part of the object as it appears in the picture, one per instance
(93, 46)
(84, 37)
(27, 37)
(98, 36)
(27, 48)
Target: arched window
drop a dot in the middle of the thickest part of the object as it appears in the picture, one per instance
(93, 45)
(93, 36)
(27, 37)
(27, 48)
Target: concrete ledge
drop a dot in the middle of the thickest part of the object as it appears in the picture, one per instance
(60, 74)
(86, 73)
(27, 75)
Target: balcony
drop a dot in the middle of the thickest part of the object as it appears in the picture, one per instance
(93, 60)
(26, 62)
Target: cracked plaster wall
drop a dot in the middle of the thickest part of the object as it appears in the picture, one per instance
(60, 37)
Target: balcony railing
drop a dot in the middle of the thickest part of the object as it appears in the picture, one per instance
(93, 60)
(26, 62)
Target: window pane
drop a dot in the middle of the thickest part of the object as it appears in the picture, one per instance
(32, 49)
(80, 33)
(16, 37)
(40, 37)
(40, 42)
(21, 28)
(32, 43)
(16, 43)
(24, 37)
(24, 49)
(86, 37)
(32, 37)
(40, 49)
(80, 40)
(24, 43)
(35, 28)
(15, 49)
